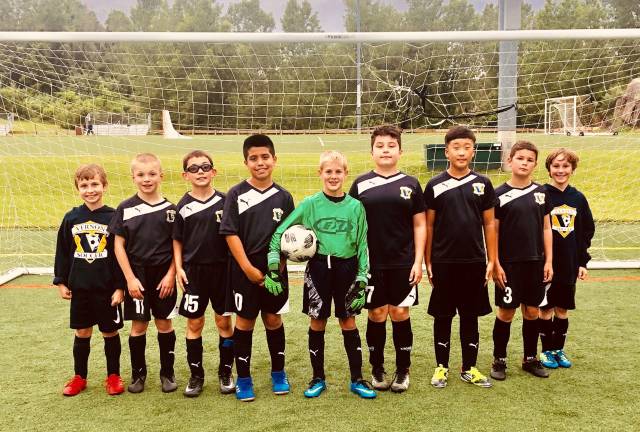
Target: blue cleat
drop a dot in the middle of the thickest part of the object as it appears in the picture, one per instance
(316, 387)
(562, 359)
(244, 389)
(363, 389)
(548, 360)
(280, 383)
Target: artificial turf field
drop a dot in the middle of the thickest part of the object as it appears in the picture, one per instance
(600, 393)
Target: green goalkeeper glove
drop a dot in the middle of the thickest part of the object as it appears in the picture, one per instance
(355, 298)
(272, 280)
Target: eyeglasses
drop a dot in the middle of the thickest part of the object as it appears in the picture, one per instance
(205, 167)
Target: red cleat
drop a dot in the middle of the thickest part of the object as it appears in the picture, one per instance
(74, 386)
(114, 385)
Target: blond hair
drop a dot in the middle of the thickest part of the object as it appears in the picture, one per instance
(89, 171)
(145, 158)
(331, 156)
(569, 155)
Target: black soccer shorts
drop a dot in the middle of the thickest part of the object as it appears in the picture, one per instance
(151, 303)
(524, 285)
(89, 308)
(207, 283)
(459, 287)
(391, 287)
(561, 295)
(326, 279)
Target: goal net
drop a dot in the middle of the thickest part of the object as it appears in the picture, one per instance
(306, 92)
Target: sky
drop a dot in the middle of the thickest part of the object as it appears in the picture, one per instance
(330, 12)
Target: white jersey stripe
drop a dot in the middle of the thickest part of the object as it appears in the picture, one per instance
(378, 181)
(143, 209)
(196, 207)
(513, 194)
(252, 198)
(410, 299)
(450, 184)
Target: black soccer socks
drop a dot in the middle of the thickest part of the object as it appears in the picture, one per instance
(81, 349)
(194, 357)
(352, 346)
(276, 344)
(560, 328)
(376, 338)
(137, 345)
(242, 341)
(167, 345)
(469, 341)
(225, 347)
(403, 342)
(316, 352)
(112, 350)
(501, 334)
(545, 326)
(530, 337)
(442, 339)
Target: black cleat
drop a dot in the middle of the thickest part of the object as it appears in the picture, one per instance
(137, 384)
(227, 386)
(499, 369)
(534, 367)
(379, 379)
(194, 388)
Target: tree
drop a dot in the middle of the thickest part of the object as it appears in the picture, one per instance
(300, 17)
(423, 15)
(118, 21)
(150, 15)
(375, 16)
(196, 15)
(567, 14)
(626, 13)
(248, 16)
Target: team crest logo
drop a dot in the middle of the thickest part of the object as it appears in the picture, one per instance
(539, 197)
(91, 241)
(563, 219)
(219, 216)
(277, 214)
(405, 192)
(171, 216)
(478, 188)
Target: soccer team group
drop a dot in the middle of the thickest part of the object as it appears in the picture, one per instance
(224, 249)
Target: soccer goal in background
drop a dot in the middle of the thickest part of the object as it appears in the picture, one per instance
(6, 123)
(312, 92)
(563, 115)
(117, 124)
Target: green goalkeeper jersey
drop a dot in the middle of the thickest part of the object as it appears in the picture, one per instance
(341, 228)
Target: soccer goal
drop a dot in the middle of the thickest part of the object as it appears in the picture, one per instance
(311, 92)
(563, 116)
(6, 123)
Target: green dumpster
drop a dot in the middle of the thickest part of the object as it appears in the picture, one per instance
(488, 156)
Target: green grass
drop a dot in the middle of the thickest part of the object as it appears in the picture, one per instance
(598, 393)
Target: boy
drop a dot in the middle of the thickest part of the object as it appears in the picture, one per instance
(395, 208)
(573, 229)
(253, 210)
(523, 228)
(87, 274)
(201, 253)
(460, 209)
(143, 225)
(338, 270)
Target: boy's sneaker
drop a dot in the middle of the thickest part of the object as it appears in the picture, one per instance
(548, 360)
(280, 383)
(562, 359)
(74, 386)
(473, 376)
(114, 385)
(244, 389)
(534, 367)
(137, 384)
(439, 378)
(194, 387)
(363, 389)
(168, 383)
(400, 381)
(379, 379)
(227, 386)
(499, 369)
(316, 387)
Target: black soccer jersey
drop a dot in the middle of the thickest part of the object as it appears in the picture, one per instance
(521, 214)
(459, 204)
(254, 215)
(196, 227)
(390, 204)
(573, 229)
(147, 230)
(84, 251)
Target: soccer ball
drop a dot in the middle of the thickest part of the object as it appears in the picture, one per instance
(298, 243)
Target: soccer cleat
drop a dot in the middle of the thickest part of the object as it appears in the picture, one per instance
(379, 379)
(548, 360)
(534, 367)
(400, 381)
(280, 383)
(137, 384)
(439, 378)
(168, 383)
(499, 369)
(363, 388)
(562, 359)
(74, 386)
(227, 386)
(244, 389)
(316, 387)
(114, 385)
(194, 387)
(475, 377)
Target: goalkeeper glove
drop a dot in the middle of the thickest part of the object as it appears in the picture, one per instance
(355, 298)
(272, 280)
